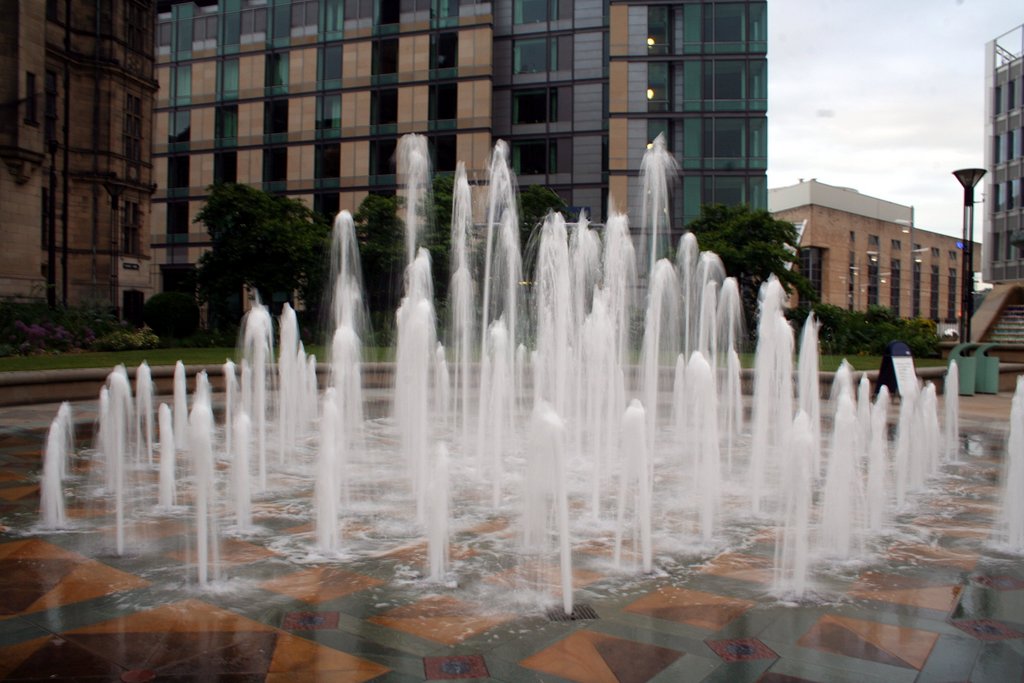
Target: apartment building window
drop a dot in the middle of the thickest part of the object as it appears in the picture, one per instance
(933, 300)
(50, 107)
(327, 161)
(332, 17)
(385, 56)
(530, 11)
(444, 102)
(724, 22)
(1011, 95)
(873, 278)
(853, 237)
(177, 220)
(204, 32)
(182, 90)
(225, 122)
(382, 157)
(227, 79)
(31, 115)
(725, 79)
(304, 17)
(132, 136)
(275, 117)
(1009, 145)
(330, 63)
(388, 13)
(1011, 197)
(179, 128)
(51, 10)
(276, 77)
(936, 252)
(444, 155)
(326, 204)
(534, 157)
(895, 283)
(951, 297)
(659, 30)
(851, 282)
(810, 267)
(657, 86)
(130, 228)
(384, 106)
(225, 166)
(656, 127)
(178, 171)
(530, 55)
(873, 241)
(725, 141)
(328, 112)
(444, 50)
(952, 255)
(275, 164)
(896, 245)
(915, 294)
(539, 105)
(359, 9)
(446, 9)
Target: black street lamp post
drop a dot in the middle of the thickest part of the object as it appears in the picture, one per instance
(968, 178)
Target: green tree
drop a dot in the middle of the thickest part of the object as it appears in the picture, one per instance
(438, 237)
(753, 246)
(266, 242)
(379, 231)
(535, 202)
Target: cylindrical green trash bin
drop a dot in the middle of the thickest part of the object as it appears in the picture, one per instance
(986, 370)
(965, 367)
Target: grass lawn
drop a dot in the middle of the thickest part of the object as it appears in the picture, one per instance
(216, 356)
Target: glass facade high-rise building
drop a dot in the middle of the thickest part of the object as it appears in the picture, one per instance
(1004, 159)
(309, 98)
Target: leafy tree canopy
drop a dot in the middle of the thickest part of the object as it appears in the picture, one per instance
(379, 231)
(535, 202)
(269, 243)
(753, 246)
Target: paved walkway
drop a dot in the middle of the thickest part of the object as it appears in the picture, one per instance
(933, 600)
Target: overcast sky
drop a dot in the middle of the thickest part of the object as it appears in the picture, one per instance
(886, 97)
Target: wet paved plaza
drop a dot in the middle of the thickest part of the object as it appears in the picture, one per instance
(937, 601)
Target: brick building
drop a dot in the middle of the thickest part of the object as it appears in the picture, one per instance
(860, 251)
(308, 98)
(76, 90)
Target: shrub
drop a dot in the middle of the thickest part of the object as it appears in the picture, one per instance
(171, 314)
(127, 340)
(855, 332)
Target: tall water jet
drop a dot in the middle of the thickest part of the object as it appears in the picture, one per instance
(773, 392)
(114, 431)
(144, 413)
(687, 260)
(289, 381)
(730, 341)
(904, 447)
(461, 298)
(657, 169)
(437, 535)
(416, 341)
(791, 542)
(59, 445)
(64, 415)
(603, 393)
(635, 483)
(503, 265)
(257, 356)
(241, 474)
(497, 407)
(809, 386)
(230, 402)
(704, 420)
(842, 508)
(168, 493)
(878, 464)
(1011, 515)
(326, 492)
(201, 448)
(709, 278)
(545, 496)
(619, 281)
(180, 407)
(552, 306)
(413, 166)
(661, 337)
(951, 401)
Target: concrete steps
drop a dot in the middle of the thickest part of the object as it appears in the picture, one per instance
(1009, 329)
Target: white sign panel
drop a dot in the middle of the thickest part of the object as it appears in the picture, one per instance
(906, 377)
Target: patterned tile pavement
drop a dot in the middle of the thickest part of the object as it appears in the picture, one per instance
(939, 604)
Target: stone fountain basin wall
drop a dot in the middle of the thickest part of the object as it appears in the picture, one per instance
(50, 386)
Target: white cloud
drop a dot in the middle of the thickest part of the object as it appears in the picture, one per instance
(884, 97)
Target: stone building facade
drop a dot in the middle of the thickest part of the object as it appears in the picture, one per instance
(861, 251)
(77, 89)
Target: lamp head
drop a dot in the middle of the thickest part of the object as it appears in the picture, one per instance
(969, 177)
